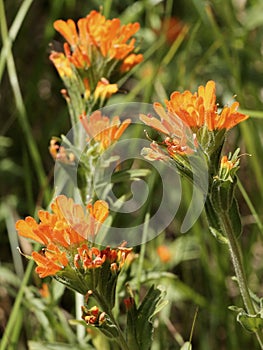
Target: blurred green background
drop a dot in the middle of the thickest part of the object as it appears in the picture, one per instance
(185, 43)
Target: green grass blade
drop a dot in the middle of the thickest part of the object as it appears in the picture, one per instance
(142, 252)
(13, 240)
(14, 29)
(12, 322)
(252, 113)
(253, 147)
(107, 8)
(22, 114)
(250, 205)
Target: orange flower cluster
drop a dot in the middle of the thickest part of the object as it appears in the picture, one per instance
(62, 232)
(98, 36)
(103, 130)
(103, 89)
(88, 258)
(93, 316)
(186, 114)
(65, 233)
(116, 257)
(200, 109)
(99, 49)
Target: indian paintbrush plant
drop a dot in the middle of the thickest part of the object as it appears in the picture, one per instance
(98, 52)
(192, 124)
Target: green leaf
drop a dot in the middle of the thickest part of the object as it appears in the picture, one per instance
(214, 221)
(8, 277)
(236, 309)
(128, 175)
(177, 290)
(251, 323)
(57, 289)
(131, 326)
(253, 18)
(221, 201)
(35, 345)
(218, 235)
(109, 330)
(107, 282)
(82, 182)
(226, 194)
(222, 194)
(187, 346)
(74, 322)
(139, 321)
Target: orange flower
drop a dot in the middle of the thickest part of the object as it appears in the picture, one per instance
(116, 257)
(179, 136)
(93, 316)
(89, 257)
(103, 90)
(94, 35)
(61, 63)
(164, 253)
(103, 130)
(154, 153)
(60, 232)
(200, 109)
(130, 61)
(60, 153)
(226, 163)
(44, 291)
(228, 167)
(68, 225)
(129, 303)
(51, 261)
(172, 27)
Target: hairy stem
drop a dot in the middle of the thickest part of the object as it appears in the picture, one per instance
(237, 261)
(121, 339)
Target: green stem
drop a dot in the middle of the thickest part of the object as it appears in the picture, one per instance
(237, 261)
(121, 339)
